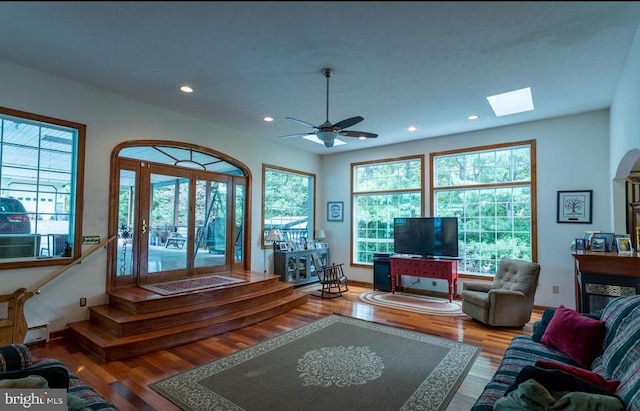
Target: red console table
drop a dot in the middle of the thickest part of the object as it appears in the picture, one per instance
(425, 267)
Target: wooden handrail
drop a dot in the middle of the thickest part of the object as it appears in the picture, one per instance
(61, 270)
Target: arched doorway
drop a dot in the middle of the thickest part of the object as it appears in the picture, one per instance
(178, 210)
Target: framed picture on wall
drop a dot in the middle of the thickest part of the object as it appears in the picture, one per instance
(574, 206)
(335, 211)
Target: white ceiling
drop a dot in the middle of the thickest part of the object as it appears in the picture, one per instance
(428, 64)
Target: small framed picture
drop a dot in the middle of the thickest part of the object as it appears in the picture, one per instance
(574, 206)
(587, 238)
(335, 211)
(580, 244)
(283, 246)
(615, 241)
(598, 244)
(624, 245)
(608, 240)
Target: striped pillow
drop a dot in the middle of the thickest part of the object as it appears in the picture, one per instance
(14, 357)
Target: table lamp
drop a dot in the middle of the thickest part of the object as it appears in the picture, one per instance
(272, 235)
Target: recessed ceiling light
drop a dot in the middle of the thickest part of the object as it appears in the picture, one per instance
(473, 117)
(268, 119)
(412, 128)
(512, 102)
(186, 89)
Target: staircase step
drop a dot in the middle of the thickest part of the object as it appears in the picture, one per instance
(107, 347)
(120, 323)
(144, 301)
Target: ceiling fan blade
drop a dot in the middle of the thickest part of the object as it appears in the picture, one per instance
(297, 135)
(351, 133)
(304, 123)
(348, 122)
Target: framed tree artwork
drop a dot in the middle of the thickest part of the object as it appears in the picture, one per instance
(574, 206)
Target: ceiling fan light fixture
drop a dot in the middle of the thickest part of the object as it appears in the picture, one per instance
(327, 133)
(326, 136)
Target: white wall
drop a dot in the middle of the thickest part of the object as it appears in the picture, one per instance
(625, 133)
(110, 120)
(571, 155)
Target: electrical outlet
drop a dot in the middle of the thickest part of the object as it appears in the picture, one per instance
(83, 302)
(555, 289)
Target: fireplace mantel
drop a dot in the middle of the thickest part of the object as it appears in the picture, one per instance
(605, 264)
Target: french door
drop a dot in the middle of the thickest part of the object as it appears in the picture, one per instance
(175, 222)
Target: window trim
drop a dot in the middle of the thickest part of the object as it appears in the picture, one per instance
(311, 227)
(78, 171)
(353, 166)
(533, 182)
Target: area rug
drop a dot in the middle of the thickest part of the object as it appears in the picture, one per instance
(336, 363)
(191, 284)
(415, 303)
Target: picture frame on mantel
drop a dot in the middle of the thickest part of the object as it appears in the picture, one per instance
(335, 210)
(575, 206)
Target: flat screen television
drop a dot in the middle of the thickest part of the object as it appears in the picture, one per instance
(426, 236)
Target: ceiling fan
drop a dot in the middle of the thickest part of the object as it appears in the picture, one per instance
(327, 132)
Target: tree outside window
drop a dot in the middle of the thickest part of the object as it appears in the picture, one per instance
(381, 191)
(492, 191)
(288, 203)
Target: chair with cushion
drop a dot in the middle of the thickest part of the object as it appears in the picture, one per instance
(508, 301)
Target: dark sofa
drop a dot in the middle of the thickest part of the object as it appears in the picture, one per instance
(16, 363)
(616, 361)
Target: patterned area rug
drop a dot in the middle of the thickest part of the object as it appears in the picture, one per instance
(191, 284)
(414, 303)
(336, 363)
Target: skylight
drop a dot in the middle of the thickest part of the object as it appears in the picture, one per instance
(512, 102)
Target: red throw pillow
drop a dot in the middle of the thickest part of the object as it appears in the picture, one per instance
(590, 376)
(574, 334)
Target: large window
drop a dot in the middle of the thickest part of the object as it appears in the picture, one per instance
(381, 191)
(288, 204)
(492, 191)
(41, 188)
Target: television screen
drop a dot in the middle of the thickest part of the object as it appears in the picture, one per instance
(426, 236)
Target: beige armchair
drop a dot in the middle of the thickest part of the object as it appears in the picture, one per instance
(508, 301)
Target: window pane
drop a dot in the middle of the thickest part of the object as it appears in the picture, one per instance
(395, 175)
(288, 204)
(496, 221)
(510, 164)
(382, 192)
(38, 187)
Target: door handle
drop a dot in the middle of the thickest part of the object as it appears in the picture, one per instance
(144, 226)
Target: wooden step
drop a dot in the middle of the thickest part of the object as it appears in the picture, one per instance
(108, 347)
(136, 300)
(120, 323)
(137, 321)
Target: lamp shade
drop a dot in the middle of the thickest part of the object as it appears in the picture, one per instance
(273, 235)
(320, 234)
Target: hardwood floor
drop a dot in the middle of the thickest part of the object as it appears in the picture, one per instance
(125, 382)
